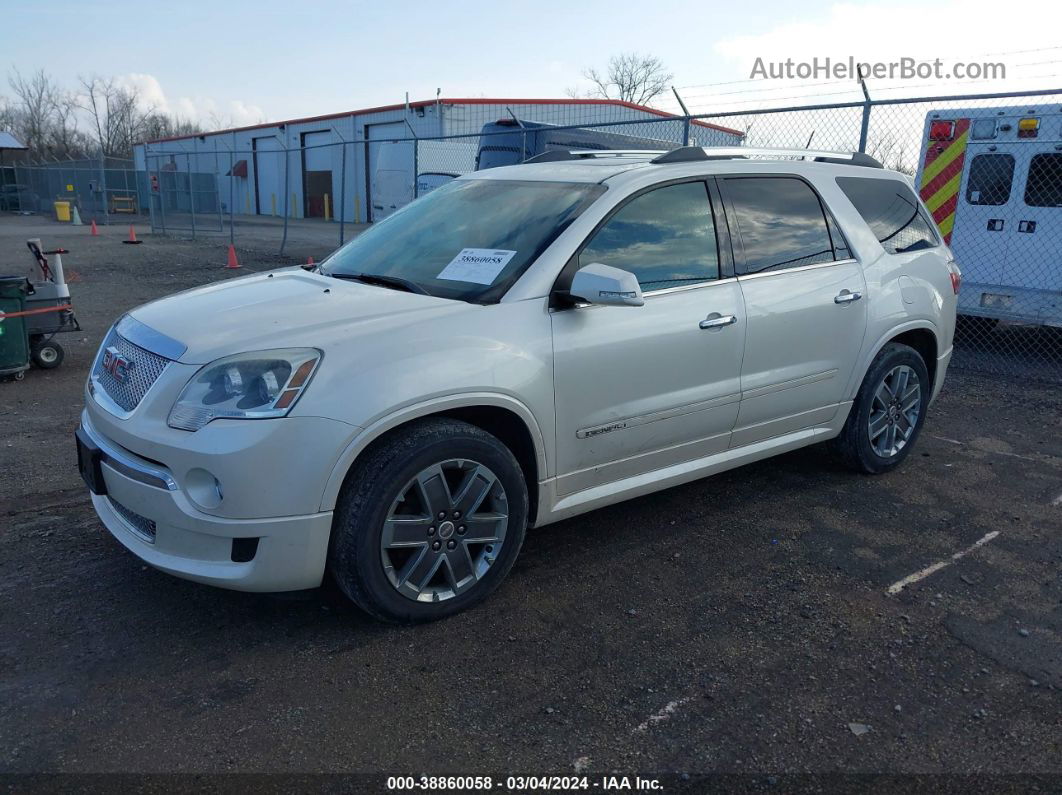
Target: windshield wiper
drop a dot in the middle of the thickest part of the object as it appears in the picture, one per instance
(396, 282)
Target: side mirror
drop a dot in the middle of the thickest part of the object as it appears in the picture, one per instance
(602, 284)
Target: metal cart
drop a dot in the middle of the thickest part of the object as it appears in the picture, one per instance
(48, 310)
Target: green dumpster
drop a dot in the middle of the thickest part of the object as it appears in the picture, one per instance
(14, 346)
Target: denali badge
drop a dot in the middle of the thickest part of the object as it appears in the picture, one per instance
(117, 365)
(600, 429)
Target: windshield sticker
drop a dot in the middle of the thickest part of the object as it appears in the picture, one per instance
(476, 265)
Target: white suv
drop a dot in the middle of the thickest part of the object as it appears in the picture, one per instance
(520, 346)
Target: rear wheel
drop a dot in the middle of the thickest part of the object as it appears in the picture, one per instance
(429, 522)
(888, 412)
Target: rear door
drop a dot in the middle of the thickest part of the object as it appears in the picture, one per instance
(804, 296)
(985, 218)
(642, 388)
(1035, 255)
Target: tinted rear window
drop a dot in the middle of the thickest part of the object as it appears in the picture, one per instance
(1044, 186)
(990, 178)
(891, 210)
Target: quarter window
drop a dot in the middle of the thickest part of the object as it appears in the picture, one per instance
(989, 180)
(1044, 185)
(666, 238)
(892, 212)
(781, 223)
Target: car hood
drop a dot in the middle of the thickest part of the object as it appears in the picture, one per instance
(284, 309)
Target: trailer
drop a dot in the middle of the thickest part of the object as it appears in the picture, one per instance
(993, 180)
(507, 142)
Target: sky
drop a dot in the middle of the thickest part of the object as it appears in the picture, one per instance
(236, 62)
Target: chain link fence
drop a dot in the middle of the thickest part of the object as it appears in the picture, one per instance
(988, 167)
(102, 189)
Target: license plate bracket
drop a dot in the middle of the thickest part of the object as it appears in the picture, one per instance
(89, 458)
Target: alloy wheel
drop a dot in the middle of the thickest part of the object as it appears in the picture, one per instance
(894, 411)
(444, 530)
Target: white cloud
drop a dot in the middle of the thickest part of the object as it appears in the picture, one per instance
(233, 112)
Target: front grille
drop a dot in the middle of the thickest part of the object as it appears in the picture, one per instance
(145, 370)
(143, 526)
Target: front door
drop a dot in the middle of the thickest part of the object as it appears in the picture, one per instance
(641, 388)
(805, 299)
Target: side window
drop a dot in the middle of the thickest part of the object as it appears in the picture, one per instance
(891, 210)
(1043, 188)
(781, 223)
(990, 178)
(666, 238)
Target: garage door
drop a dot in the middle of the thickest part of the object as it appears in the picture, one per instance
(268, 175)
(318, 197)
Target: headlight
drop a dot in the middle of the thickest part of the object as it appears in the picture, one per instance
(248, 386)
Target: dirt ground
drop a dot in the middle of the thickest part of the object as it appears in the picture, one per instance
(737, 625)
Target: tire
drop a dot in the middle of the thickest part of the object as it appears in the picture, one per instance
(47, 355)
(896, 429)
(386, 567)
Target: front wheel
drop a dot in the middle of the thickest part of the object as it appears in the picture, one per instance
(888, 413)
(429, 522)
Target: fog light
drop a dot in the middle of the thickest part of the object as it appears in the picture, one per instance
(203, 488)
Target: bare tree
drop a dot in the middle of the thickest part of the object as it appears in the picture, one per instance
(630, 77)
(894, 152)
(42, 116)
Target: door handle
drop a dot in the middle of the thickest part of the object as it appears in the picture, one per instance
(847, 297)
(717, 321)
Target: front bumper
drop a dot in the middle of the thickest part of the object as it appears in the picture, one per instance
(148, 511)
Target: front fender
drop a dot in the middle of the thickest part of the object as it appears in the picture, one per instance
(424, 409)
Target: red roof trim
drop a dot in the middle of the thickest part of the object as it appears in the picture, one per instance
(461, 101)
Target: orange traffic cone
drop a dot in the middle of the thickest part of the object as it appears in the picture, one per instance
(95, 231)
(309, 261)
(233, 262)
(132, 236)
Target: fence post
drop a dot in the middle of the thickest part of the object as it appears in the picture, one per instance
(191, 194)
(103, 186)
(342, 189)
(162, 194)
(865, 126)
(147, 175)
(686, 120)
(287, 159)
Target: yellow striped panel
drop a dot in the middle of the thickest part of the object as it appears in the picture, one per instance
(945, 192)
(944, 159)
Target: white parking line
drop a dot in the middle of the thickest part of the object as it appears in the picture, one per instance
(662, 715)
(896, 587)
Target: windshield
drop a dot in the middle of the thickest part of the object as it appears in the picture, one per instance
(469, 239)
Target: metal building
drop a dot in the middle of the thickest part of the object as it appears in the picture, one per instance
(323, 166)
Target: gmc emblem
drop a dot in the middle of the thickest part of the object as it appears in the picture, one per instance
(117, 365)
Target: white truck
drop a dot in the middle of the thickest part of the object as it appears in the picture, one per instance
(992, 177)
(408, 169)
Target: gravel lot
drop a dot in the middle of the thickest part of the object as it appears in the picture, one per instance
(737, 625)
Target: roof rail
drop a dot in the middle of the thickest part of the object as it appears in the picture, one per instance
(688, 154)
(556, 155)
